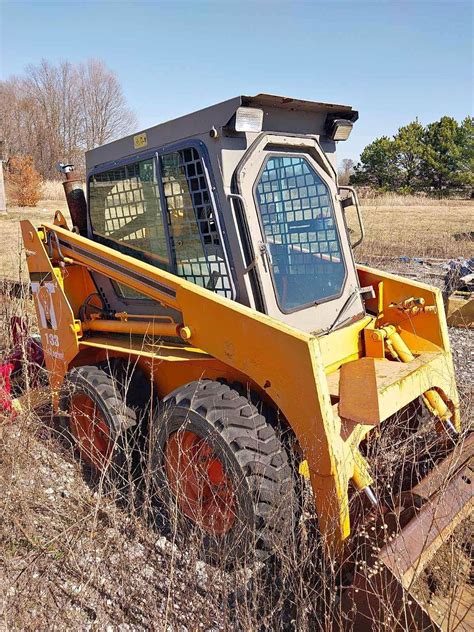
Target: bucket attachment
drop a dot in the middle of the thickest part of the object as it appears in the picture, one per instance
(383, 580)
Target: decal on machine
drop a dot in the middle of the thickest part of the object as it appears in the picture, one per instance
(140, 140)
(43, 288)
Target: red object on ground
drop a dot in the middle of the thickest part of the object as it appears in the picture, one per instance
(26, 349)
(5, 387)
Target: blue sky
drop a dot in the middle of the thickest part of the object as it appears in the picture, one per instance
(393, 61)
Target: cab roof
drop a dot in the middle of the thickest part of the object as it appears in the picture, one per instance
(291, 104)
(282, 114)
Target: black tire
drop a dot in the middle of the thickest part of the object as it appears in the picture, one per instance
(135, 387)
(120, 420)
(253, 459)
(139, 393)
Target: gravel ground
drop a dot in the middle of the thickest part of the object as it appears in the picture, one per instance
(71, 559)
(462, 346)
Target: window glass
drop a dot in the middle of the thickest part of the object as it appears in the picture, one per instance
(126, 214)
(125, 207)
(299, 226)
(125, 211)
(196, 243)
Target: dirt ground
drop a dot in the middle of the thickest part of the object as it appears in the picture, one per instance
(71, 558)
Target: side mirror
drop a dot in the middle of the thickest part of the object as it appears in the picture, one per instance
(353, 201)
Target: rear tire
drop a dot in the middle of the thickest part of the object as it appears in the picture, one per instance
(220, 467)
(97, 422)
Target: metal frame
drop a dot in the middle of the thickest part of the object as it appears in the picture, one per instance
(313, 316)
(359, 214)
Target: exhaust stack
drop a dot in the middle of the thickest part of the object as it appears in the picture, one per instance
(75, 198)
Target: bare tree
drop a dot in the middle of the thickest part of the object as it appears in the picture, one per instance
(104, 112)
(345, 171)
(55, 112)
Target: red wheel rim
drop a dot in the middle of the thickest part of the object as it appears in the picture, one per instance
(198, 480)
(90, 431)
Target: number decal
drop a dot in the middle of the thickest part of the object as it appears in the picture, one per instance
(53, 340)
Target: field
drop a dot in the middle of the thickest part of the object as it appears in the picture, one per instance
(414, 227)
(395, 227)
(73, 557)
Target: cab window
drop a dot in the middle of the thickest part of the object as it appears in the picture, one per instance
(298, 222)
(125, 212)
(178, 233)
(125, 209)
(195, 239)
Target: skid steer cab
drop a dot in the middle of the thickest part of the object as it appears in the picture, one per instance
(210, 275)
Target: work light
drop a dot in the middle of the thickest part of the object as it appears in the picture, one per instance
(248, 120)
(340, 129)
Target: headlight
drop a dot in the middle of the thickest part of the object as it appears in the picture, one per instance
(340, 129)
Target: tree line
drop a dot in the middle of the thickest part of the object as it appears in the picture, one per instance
(54, 113)
(437, 158)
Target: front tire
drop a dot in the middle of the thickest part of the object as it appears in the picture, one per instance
(220, 467)
(97, 422)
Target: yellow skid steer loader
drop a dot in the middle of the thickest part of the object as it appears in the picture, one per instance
(213, 262)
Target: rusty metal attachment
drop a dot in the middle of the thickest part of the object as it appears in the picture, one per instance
(75, 198)
(382, 584)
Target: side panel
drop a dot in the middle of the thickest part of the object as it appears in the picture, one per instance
(54, 313)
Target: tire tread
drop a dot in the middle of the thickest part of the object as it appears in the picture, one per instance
(260, 454)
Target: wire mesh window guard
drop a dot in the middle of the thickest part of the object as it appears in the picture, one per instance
(126, 214)
(194, 234)
(125, 209)
(299, 226)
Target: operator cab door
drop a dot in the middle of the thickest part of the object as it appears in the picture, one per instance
(303, 259)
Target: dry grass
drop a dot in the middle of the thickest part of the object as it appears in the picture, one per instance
(417, 227)
(396, 199)
(75, 554)
(12, 265)
(71, 557)
(52, 190)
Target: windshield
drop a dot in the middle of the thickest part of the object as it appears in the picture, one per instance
(297, 217)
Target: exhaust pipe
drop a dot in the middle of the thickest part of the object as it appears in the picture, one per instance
(75, 198)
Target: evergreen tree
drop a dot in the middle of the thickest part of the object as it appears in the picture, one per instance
(409, 151)
(377, 165)
(442, 154)
(438, 157)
